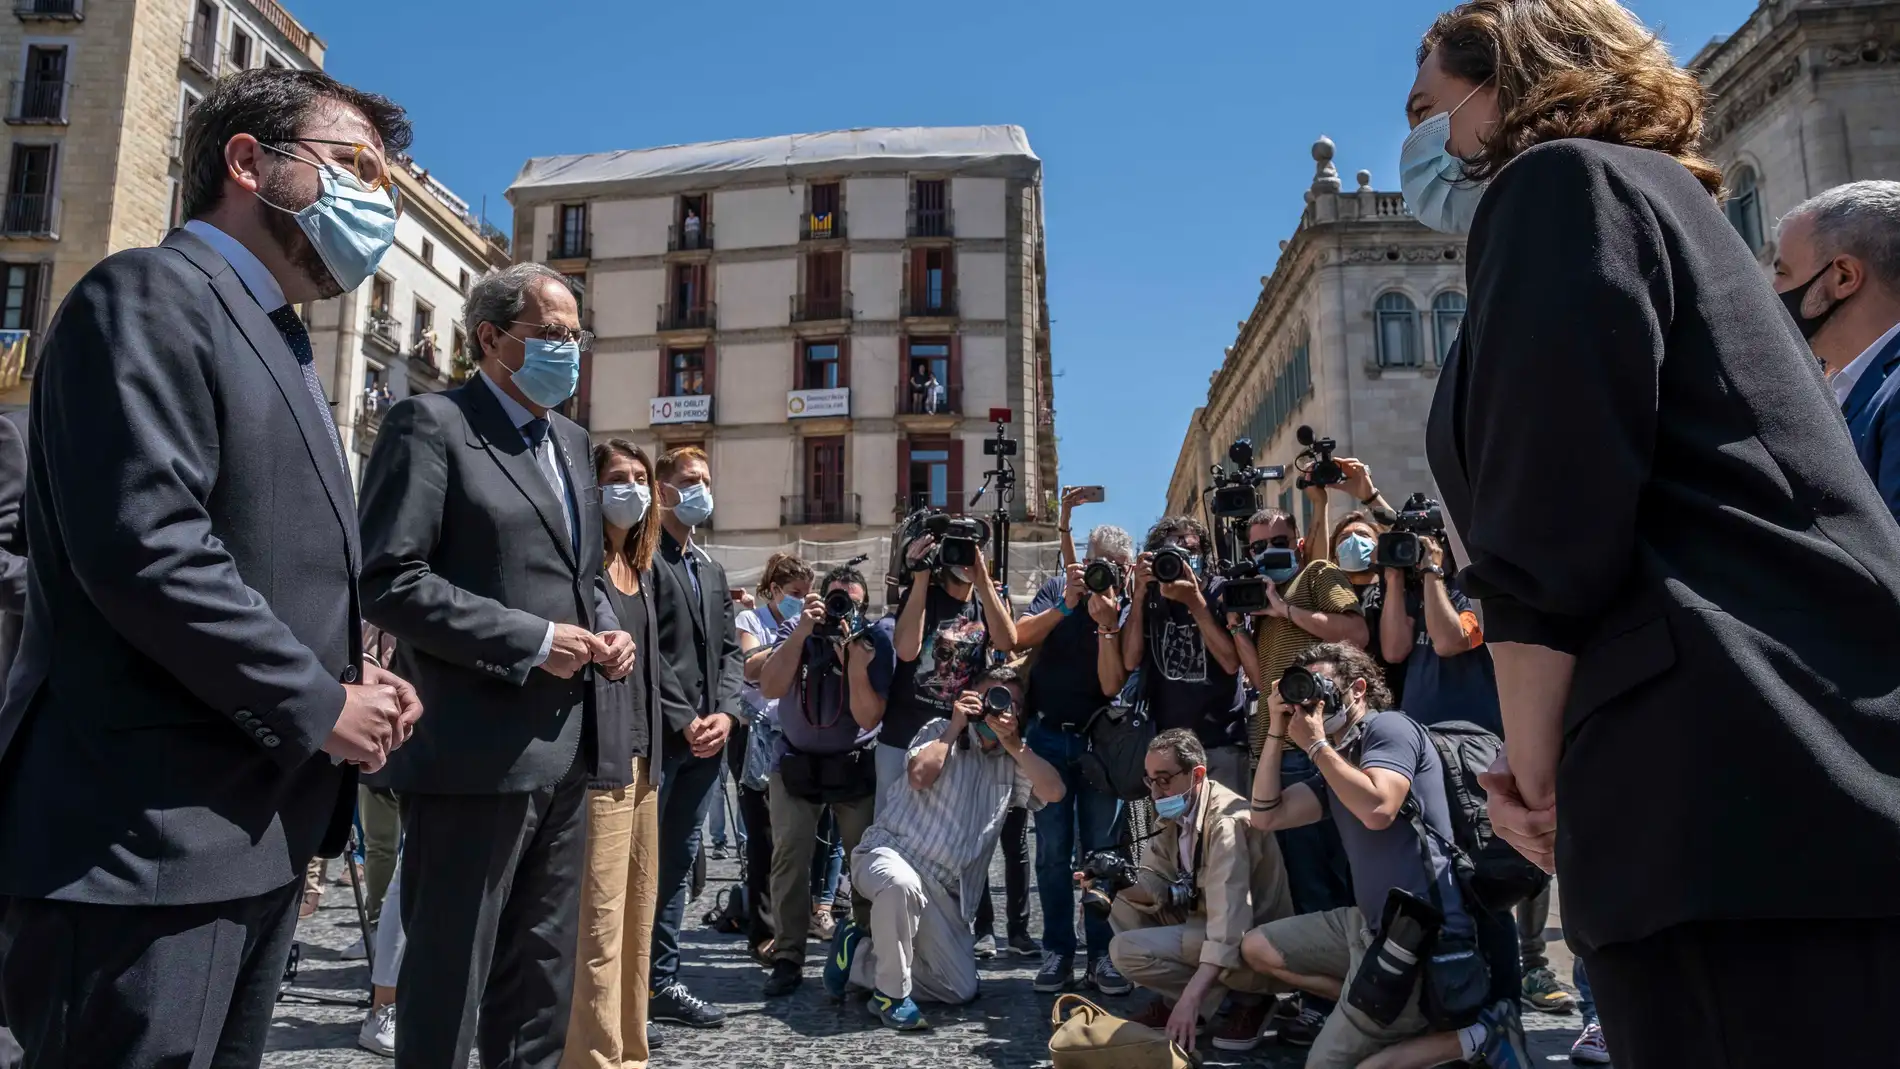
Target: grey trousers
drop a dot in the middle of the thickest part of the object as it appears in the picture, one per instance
(919, 942)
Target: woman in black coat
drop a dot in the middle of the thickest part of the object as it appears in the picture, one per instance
(1691, 589)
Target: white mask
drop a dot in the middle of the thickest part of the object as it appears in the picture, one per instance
(1433, 178)
(624, 504)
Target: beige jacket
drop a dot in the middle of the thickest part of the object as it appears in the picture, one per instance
(1241, 875)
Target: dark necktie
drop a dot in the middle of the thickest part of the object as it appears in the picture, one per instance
(536, 432)
(290, 325)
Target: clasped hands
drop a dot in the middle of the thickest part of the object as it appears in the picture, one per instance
(576, 647)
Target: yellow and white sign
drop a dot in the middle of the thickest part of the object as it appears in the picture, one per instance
(804, 404)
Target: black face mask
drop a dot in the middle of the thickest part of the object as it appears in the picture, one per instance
(1810, 326)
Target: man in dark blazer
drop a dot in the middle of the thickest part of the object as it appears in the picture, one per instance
(701, 677)
(1838, 269)
(12, 612)
(188, 699)
(482, 555)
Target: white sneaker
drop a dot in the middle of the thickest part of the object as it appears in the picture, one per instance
(378, 1035)
(355, 951)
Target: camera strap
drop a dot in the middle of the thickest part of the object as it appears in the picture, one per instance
(807, 698)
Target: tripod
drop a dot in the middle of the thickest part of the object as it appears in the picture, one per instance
(352, 854)
(1003, 479)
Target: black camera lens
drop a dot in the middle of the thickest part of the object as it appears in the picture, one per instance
(1102, 576)
(1301, 686)
(1170, 563)
(839, 604)
(998, 699)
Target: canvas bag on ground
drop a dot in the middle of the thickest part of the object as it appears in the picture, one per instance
(1089, 1037)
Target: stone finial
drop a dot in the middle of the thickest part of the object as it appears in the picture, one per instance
(1283, 244)
(1325, 175)
(1365, 181)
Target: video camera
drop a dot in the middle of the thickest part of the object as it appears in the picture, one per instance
(1246, 587)
(957, 540)
(1233, 500)
(1236, 494)
(1399, 547)
(1316, 464)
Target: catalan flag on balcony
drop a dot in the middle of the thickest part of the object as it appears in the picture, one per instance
(13, 345)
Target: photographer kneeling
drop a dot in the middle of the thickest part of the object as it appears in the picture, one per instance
(1205, 880)
(1409, 907)
(922, 863)
(830, 675)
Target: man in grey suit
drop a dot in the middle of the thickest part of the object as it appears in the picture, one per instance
(482, 552)
(191, 662)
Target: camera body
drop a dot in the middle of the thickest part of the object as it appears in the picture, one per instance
(957, 540)
(1236, 494)
(1171, 563)
(1316, 464)
(842, 616)
(996, 700)
(1303, 686)
(1109, 874)
(1399, 547)
(1103, 576)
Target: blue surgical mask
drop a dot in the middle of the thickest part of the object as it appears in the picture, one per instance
(1195, 564)
(549, 371)
(696, 505)
(790, 606)
(1433, 179)
(1355, 553)
(984, 732)
(1173, 807)
(624, 504)
(351, 228)
(1282, 576)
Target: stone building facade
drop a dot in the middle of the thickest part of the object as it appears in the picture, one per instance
(96, 101)
(833, 317)
(1345, 337)
(1805, 96)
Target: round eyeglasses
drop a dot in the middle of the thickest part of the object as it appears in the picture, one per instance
(558, 334)
(365, 166)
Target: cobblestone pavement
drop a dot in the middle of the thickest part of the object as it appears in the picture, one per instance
(1007, 1027)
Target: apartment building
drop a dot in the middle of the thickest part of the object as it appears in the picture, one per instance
(834, 317)
(95, 110)
(401, 332)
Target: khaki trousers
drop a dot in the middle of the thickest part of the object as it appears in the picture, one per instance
(1163, 957)
(794, 836)
(607, 1028)
(382, 835)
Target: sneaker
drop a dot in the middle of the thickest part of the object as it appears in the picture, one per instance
(844, 950)
(900, 1014)
(1301, 1031)
(1155, 1014)
(355, 951)
(676, 1005)
(719, 852)
(985, 947)
(785, 978)
(1543, 992)
(1106, 978)
(1241, 1030)
(654, 1042)
(1056, 972)
(823, 924)
(1503, 1037)
(1589, 1049)
(1024, 947)
(378, 1034)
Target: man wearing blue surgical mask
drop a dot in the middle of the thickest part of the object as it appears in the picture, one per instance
(483, 547)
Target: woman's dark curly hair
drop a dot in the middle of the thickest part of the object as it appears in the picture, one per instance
(1571, 68)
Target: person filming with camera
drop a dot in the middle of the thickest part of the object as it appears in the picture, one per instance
(1205, 880)
(922, 863)
(829, 674)
(1427, 632)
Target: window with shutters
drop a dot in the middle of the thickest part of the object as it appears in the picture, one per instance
(932, 283)
(1744, 208)
(930, 476)
(930, 208)
(1448, 317)
(686, 372)
(571, 241)
(29, 204)
(1397, 319)
(826, 217)
(824, 481)
(822, 368)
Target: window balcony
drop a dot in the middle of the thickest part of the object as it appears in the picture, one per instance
(929, 304)
(30, 215)
(383, 330)
(951, 501)
(200, 52)
(570, 247)
(801, 510)
(931, 223)
(50, 10)
(827, 227)
(807, 308)
(938, 400)
(704, 316)
(681, 238)
(37, 102)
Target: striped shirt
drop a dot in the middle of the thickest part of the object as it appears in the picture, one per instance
(949, 830)
(1321, 586)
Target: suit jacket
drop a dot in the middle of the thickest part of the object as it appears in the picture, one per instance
(192, 608)
(1240, 873)
(12, 537)
(1650, 474)
(1873, 418)
(466, 560)
(701, 670)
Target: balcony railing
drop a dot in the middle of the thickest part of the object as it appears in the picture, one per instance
(939, 400)
(802, 509)
(931, 223)
(925, 304)
(821, 227)
(689, 317)
(422, 349)
(807, 308)
(950, 501)
(39, 101)
(681, 238)
(51, 10)
(201, 52)
(570, 247)
(286, 25)
(29, 215)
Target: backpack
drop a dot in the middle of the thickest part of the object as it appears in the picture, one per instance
(1493, 873)
(1116, 738)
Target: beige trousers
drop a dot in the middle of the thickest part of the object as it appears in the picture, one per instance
(794, 837)
(607, 1028)
(1163, 957)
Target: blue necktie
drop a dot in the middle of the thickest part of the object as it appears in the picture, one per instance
(536, 432)
(290, 325)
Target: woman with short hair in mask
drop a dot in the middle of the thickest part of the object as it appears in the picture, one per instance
(620, 885)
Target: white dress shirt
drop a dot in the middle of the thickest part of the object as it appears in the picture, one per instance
(250, 270)
(1848, 376)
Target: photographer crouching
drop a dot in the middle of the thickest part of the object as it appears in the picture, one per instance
(1206, 879)
(922, 863)
(830, 675)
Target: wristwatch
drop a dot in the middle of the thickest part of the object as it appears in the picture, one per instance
(1432, 569)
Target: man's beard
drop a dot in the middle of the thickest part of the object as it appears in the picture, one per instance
(290, 238)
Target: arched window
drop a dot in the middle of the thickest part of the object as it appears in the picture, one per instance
(1398, 330)
(1448, 315)
(1744, 207)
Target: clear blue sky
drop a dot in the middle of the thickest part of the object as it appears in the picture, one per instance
(1175, 139)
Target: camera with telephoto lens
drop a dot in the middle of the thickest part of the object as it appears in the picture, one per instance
(996, 701)
(957, 538)
(841, 614)
(1399, 547)
(1236, 494)
(1170, 563)
(1102, 576)
(1303, 686)
(1316, 464)
(1109, 874)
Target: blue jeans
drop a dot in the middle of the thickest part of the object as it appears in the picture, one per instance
(685, 793)
(1586, 1002)
(1316, 869)
(1085, 817)
(827, 862)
